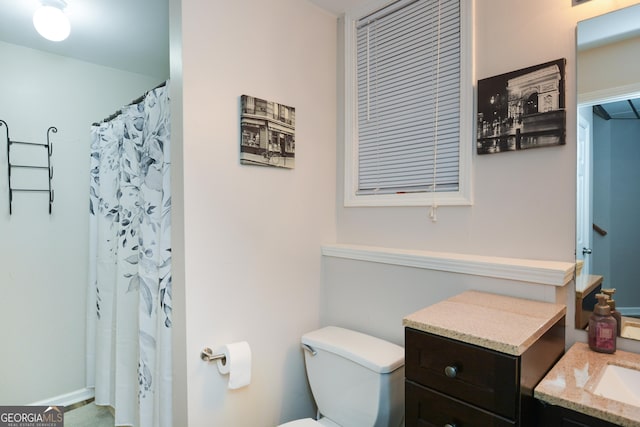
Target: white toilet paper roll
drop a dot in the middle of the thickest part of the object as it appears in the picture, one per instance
(237, 363)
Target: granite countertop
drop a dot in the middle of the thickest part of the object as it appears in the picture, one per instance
(571, 382)
(506, 324)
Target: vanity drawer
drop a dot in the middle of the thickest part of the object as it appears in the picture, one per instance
(425, 407)
(482, 377)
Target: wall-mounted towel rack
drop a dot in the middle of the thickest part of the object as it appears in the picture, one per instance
(49, 151)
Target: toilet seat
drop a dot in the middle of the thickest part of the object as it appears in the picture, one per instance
(305, 422)
(310, 422)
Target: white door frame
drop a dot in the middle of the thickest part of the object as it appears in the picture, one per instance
(584, 188)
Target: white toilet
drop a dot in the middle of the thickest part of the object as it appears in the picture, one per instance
(357, 380)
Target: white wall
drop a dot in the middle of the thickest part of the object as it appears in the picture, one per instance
(520, 202)
(256, 281)
(43, 262)
(252, 235)
(524, 204)
(597, 62)
(373, 297)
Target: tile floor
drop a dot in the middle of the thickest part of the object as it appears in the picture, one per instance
(89, 415)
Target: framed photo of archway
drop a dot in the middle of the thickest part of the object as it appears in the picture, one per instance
(522, 109)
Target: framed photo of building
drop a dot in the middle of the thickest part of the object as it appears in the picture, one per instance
(522, 109)
(267, 133)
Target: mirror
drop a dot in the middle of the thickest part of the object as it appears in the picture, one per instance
(608, 150)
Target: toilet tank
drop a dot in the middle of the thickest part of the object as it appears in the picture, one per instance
(357, 380)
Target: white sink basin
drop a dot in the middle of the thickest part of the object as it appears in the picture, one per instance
(621, 384)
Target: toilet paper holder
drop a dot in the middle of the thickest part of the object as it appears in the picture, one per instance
(207, 355)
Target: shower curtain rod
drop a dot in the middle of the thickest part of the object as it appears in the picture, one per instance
(134, 102)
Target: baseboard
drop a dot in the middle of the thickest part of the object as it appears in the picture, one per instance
(67, 399)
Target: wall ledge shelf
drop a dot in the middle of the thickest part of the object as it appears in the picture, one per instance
(554, 273)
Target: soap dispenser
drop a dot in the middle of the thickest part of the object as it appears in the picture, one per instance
(602, 327)
(612, 305)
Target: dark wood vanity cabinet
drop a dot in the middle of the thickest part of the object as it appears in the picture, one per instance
(557, 416)
(453, 383)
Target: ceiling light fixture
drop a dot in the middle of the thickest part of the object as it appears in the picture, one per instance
(50, 20)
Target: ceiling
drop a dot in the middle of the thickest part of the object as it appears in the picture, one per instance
(608, 28)
(131, 35)
(338, 7)
(624, 110)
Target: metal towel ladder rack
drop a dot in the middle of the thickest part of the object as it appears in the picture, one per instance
(49, 168)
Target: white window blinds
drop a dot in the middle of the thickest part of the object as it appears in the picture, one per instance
(408, 93)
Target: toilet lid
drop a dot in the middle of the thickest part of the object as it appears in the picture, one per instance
(305, 422)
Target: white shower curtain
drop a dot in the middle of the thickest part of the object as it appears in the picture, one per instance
(129, 295)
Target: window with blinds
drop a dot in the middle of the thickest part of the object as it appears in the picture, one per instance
(408, 86)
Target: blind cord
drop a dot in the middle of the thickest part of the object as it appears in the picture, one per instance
(368, 75)
(375, 84)
(375, 93)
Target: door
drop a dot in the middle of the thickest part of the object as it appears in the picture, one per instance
(584, 218)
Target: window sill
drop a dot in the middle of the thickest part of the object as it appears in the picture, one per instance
(554, 273)
(461, 198)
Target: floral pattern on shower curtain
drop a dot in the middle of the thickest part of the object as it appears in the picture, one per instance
(129, 304)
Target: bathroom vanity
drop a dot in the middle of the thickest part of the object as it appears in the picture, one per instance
(579, 391)
(474, 359)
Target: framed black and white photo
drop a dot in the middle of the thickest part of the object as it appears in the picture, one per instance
(267, 133)
(522, 109)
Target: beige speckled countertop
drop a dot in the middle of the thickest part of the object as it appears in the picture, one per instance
(585, 283)
(571, 382)
(506, 324)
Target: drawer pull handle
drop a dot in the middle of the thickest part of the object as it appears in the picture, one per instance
(451, 371)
